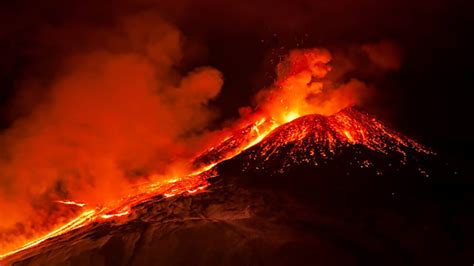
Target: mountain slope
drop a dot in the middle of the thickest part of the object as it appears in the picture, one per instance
(338, 190)
(313, 139)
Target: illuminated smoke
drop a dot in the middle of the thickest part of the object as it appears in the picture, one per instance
(113, 115)
(302, 88)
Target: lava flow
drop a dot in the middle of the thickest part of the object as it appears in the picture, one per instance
(297, 107)
(347, 127)
(191, 185)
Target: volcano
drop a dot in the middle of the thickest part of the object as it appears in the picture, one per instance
(319, 190)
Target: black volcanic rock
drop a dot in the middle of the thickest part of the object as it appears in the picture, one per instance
(290, 205)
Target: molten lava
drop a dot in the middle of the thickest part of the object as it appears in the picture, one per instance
(70, 202)
(315, 138)
(314, 135)
(191, 185)
(298, 111)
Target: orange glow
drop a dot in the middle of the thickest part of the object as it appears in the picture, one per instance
(299, 90)
(191, 185)
(81, 220)
(348, 135)
(329, 133)
(108, 121)
(291, 116)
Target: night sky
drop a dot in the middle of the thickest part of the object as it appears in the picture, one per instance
(427, 99)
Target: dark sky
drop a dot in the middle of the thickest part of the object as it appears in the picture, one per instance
(428, 99)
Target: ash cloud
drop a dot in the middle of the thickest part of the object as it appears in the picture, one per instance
(114, 113)
(313, 81)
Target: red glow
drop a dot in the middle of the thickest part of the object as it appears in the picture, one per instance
(299, 91)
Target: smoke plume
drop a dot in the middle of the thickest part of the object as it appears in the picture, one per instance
(111, 116)
(303, 87)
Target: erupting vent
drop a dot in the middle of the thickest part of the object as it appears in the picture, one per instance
(311, 139)
(306, 139)
(315, 137)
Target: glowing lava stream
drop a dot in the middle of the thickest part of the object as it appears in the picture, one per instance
(81, 220)
(348, 127)
(70, 202)
(190, 184)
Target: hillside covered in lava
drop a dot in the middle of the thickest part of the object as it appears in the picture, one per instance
(320, 190)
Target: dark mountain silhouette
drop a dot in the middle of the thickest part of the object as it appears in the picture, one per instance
(337, 190)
